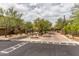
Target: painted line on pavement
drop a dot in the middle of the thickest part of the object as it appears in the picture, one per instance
(10, 49)
(60, 43)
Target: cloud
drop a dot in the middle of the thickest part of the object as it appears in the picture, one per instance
(50, 11)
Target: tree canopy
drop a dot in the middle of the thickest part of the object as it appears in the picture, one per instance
(42, 25)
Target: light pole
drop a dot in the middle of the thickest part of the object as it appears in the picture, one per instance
(64, 23)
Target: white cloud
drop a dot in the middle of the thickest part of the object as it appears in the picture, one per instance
(46, 10)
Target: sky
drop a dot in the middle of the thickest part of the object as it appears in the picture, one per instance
(49, 11)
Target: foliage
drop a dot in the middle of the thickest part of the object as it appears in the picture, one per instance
(72, 26)
(42, 25)
(28, 27)
(10, 19)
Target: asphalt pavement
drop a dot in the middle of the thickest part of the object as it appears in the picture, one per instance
(7, 43)
(38, 49)
(47, 46)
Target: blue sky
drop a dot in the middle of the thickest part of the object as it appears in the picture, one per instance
(50, 11)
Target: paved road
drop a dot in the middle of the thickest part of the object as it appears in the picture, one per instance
(37, 49)
(24, 48)
(6, 44)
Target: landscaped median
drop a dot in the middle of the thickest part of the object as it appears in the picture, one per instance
(62, 40)
(13, 37)
(72, 39)
(76, 38)
(55, 38)
(41, 40)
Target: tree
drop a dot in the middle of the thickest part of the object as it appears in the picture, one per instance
(72, 25)
(10, 19)
(42, 25)
(14, 19)
(28, 27)
(59, 24)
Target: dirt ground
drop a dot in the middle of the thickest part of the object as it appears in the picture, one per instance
(51, 37)
(76, 38)
(12, 36)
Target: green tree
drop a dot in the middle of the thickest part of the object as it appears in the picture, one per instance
(72, 25)
(28, 27)
(10, 18)
(15, 20)
(59, 24)
(42, 25)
